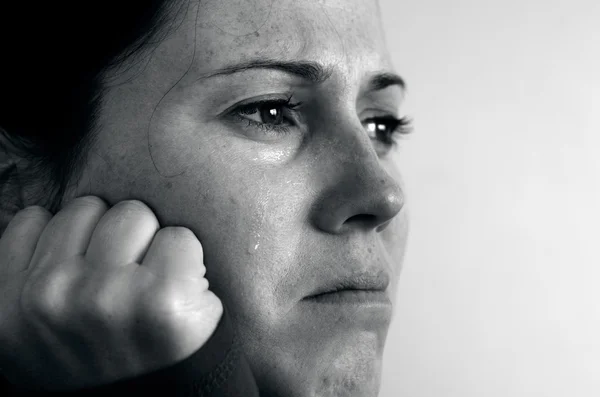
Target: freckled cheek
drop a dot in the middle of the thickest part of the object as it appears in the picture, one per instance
(269, 242)
(221, 221)
(249, 221)
(233, 219)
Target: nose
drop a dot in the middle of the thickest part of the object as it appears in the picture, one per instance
(357, 191)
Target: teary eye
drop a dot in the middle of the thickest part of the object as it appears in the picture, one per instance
(269, 114)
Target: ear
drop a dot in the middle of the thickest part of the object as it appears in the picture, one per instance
(11, 188)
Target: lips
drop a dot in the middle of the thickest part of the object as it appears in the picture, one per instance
(373, 281)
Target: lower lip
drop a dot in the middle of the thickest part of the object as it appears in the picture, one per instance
(353, 297)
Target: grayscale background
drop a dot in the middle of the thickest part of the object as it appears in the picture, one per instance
(500, 293)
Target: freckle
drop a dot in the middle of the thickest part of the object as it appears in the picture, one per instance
(370, 250)
(232, 200)
(382, 181)
(169, 185)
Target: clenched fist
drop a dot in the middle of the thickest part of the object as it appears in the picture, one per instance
(96, 294)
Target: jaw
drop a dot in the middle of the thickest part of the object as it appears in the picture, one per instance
(309, 360)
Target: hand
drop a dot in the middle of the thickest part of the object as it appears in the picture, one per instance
(94, 295)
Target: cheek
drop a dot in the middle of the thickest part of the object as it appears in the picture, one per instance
(395, 236)
(250, 225)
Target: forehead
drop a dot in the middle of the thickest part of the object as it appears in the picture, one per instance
(335, 32)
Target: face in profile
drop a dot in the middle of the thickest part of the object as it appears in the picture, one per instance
(266, 127)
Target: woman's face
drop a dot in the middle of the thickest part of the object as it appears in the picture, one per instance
(287, 199)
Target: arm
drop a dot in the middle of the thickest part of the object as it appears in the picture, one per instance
(217, 369)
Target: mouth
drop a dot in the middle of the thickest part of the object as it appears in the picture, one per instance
(352, 297)
(358, 289)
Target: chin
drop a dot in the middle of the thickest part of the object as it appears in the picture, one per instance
(355, 372)
(348, 365)
(349, 385)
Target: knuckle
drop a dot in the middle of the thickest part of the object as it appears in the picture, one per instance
(133, 205)
(166, 299)
(159, 304)
(33, 212)
(45, 301)
(89, 203)
(170, 310)
(136, 208)
(98, 304)
(175, 300)
(98, 308)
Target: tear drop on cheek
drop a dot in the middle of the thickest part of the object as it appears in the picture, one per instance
(253, 245)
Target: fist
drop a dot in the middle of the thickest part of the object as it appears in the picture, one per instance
(96, 294)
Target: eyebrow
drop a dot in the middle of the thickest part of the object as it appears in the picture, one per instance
(312, 72)
(307, 70)
(384, 80)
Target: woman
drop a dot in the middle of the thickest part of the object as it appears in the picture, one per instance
(254, 137)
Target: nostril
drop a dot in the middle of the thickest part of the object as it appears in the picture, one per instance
(363, 219)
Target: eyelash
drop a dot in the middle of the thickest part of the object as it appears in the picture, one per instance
(396, 127)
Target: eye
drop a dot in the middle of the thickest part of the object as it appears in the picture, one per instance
(270, 115)
(265, 113)
(385, 128)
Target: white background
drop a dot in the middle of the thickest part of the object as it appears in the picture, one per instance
(500, 293)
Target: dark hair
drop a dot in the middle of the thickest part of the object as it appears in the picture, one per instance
(53, 56)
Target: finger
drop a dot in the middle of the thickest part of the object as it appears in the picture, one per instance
(123, 235)
(68, 233)
(20, 238)
(176, 253)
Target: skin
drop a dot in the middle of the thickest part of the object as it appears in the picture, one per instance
(276, 213)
